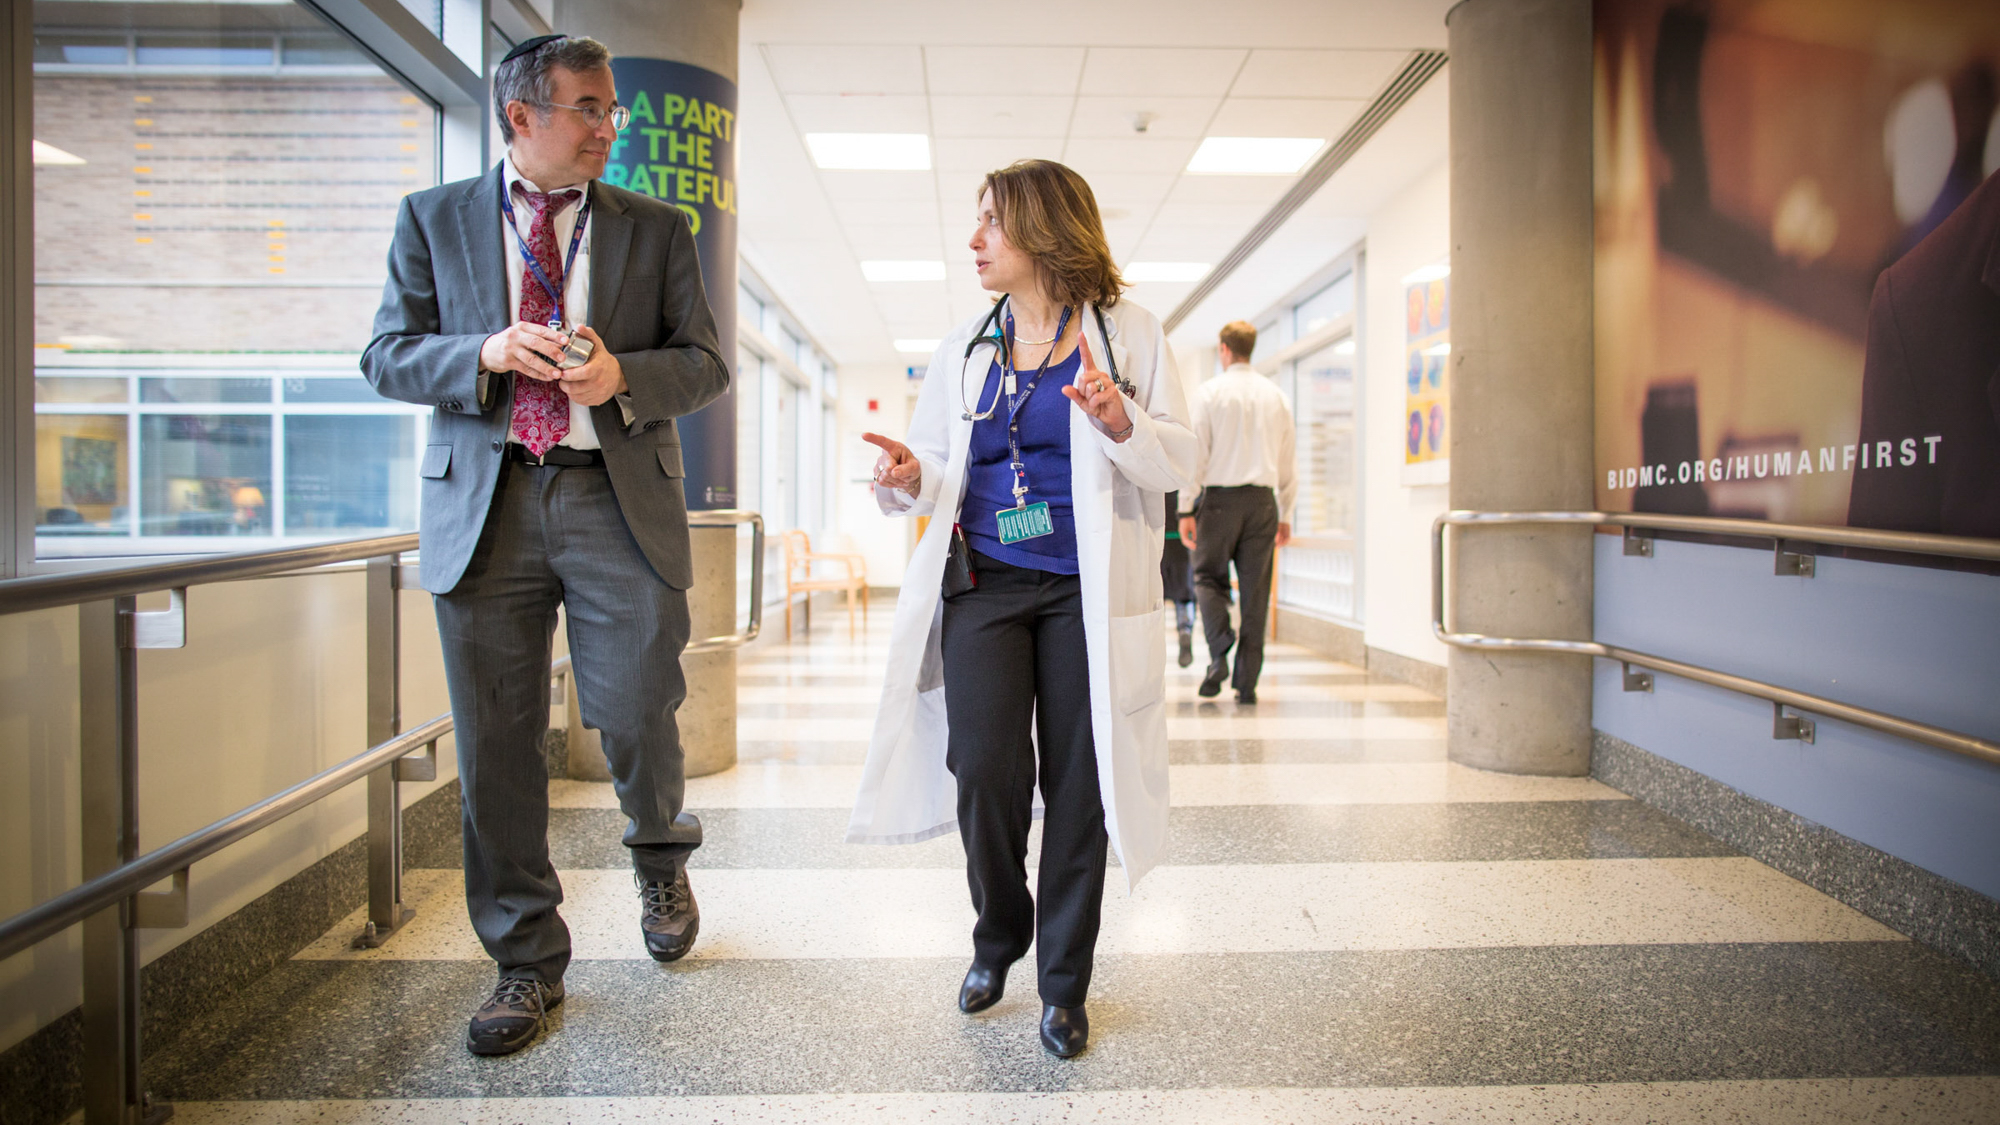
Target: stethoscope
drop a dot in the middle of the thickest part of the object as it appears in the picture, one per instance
(992, 333)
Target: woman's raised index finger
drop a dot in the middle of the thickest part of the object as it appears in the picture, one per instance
(1089, 364)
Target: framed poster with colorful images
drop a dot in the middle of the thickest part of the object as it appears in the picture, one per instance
(1427, 390)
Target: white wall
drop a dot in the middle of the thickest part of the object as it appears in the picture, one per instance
(270, 689)
(885, 541)
(1412, 229)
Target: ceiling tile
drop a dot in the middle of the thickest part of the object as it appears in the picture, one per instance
(1250, 191)
(1003, 70)
(1116, 115)
(801, 68)
(1238, 217)
(873, 211)
(894, 242)
(1317, 74)
(1091, 155)
(1160, 70)
(905, 186)
(1170, 242)
(1129, 195)
(999, 115)
(980, 155)
(1326, 118)
(859, 113)
(1159, 297)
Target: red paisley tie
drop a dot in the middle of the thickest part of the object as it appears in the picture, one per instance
(541, 410)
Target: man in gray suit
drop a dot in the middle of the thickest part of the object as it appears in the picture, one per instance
(548, 482)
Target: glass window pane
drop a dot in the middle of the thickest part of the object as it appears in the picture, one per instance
(81, 475)
(204, 390)
(354, 389)
(212, 229)
(81, 50)
(1325, 306)
(204, 50)
(321, 50)
(80, 389)
(1324, 412)
(205, 474)
(350, 474)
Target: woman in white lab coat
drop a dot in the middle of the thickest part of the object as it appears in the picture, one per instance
(1045, 435)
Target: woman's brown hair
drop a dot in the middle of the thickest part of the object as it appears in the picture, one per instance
(1047, 212)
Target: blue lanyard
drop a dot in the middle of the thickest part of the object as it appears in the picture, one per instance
(528, 256)
(1017, 404)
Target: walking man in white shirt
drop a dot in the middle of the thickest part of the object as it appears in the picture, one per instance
(1242, 512)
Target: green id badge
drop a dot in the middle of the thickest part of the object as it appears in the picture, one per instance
(1030, 522)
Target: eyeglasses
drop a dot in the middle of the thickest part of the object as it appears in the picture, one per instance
(620, 116)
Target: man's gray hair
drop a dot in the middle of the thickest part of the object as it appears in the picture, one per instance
(527, 79)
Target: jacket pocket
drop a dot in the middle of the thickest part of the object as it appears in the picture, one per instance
(437, 461)
(1139, 660)
(670, 461)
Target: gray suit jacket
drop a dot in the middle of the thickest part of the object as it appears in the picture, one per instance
(447, 292)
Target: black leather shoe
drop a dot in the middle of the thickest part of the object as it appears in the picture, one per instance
(982, 988)
(1065, 1031)
(1187, 648)
(509, 1018)
(1246, 695)
(668, 917)
(1211, 684)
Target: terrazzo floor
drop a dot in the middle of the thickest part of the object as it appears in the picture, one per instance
(1348, 929)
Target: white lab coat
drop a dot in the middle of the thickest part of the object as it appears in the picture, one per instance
(907, 795)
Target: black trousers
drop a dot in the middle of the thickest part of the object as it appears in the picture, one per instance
(1236, 525)
(1014, 655)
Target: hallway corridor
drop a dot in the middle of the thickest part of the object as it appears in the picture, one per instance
(1348, 929)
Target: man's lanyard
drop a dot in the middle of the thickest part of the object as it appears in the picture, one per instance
(556, 319)
(1016, 405)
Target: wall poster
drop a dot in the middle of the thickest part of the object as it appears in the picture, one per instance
(681, 148)
(1798, 261)
(1427, 362)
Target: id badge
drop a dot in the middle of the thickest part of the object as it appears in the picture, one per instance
(1031, 522)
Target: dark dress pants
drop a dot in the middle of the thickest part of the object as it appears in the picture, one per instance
(555, 537)
(1014, 655)
(1236, 526)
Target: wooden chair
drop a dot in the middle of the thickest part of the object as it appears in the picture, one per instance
(800, 559)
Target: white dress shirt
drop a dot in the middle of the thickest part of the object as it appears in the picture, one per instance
(576, 287)
(1247, 437)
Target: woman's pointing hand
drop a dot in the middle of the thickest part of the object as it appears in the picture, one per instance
(897, 468)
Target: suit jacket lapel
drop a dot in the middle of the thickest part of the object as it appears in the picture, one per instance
(485, 261)
(610, 246)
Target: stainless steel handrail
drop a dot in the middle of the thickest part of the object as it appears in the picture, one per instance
(110, 905)
(731, 517)
(1951, 546)
(49, 591)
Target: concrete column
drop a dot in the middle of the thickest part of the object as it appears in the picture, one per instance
(1521, 382)
(702, 34)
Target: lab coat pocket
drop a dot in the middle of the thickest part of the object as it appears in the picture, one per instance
(1139, 660)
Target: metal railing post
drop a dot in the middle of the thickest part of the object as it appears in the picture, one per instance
(107, 688)
(386, 912)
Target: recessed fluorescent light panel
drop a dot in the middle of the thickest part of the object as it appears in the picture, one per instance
(1345, 347)
(917, 347)
(871, 152)
(918, 270)
(1427, 275)
(1137, 272)
(1254, 156)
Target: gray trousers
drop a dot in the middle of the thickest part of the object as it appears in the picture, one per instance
(555, 537)
(1235, 525)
